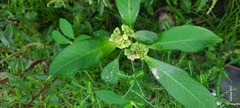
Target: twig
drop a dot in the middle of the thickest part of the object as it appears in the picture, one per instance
(46, 86)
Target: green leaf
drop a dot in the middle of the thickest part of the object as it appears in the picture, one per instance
(5, 41)
(110, 97)
(59, 38)
(146, 37)
(186, 5)
(185, 38)
(1, 34)
(8, 33)
(200, 4)
(180, 85)
(128, 10)
(82, 37)
(101, 33)
(31, 15)
(109, 73)
(18, 82)
(101, 7)
(81, 55)
(66, 28)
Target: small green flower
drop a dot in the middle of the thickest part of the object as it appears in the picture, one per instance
(136, 51)
(122, 39)
(117, 31)
(128, 31)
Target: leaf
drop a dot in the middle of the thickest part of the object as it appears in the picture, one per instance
(16, 81)
(110, 97)
(150, 10)
(109, 73)
(101, 33)
(146, 37)
(180, 85)
(59, 38)
(200, 4)
(1, 34)
(82, 37)
(31, 15)
(81, 55)
(8, 33)
(101, 8)
(128, 10)
(186, 5)
(5, 41)
(185, 38)
(66, 28)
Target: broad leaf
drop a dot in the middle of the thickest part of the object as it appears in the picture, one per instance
(1, 34)
(81, 55)
(128, 10)
(5, 41)
(186, 5)
(110, 97)
(200, 4)
(59, 38)
(82, 37)
(31, 15)
(66, 28)
(109, 72)
(146, 37)
(185, 38)
(8, 33)
(100, 33)
(101, 7)
(180, 85)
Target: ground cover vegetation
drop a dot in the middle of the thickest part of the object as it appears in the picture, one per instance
(117, 53)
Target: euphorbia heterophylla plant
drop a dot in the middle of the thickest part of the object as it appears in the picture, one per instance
(85, 53)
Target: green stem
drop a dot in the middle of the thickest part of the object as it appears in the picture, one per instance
(98, 103)
(133, 67)
(90, 78)
(67, 103)
(142, 98)
(84, 100)
(128, 90)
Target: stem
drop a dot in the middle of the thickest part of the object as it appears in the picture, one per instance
(84, 100)
(128, 90)
(90, 78)
(67, 102)
(168, 56)
(98, 103)
(133, 67)
(142, 98)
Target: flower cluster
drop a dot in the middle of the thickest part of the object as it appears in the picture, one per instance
(136, 51)
(122, 39)
(131, 50)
